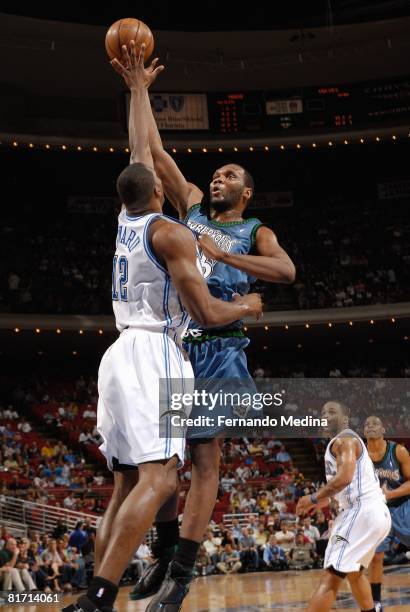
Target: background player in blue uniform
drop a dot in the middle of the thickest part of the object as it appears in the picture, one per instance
(392, 465)
(226, 240)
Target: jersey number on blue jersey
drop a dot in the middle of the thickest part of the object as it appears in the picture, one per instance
(120, 272)
(207, 265)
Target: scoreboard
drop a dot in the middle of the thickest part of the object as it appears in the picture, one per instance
(310, 108)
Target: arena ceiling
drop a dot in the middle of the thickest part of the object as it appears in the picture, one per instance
(213, 15)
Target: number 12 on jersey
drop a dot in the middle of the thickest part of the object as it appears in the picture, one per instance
(120, 277)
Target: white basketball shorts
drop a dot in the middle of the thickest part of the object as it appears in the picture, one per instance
(128, 405)
(355, 536)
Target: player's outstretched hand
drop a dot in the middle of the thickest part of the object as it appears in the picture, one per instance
(132, 68)
(209, 248)
(304, 505)
(253, 301)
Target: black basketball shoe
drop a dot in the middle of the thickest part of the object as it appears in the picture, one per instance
(149, 583)
(173, 591)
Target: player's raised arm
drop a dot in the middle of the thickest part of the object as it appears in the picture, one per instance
(176, 247)
(177, 189)
(271, 264)
(346, 451)
(403, 490)
(135, 77)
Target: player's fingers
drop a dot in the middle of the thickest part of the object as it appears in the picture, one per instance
(157, 71)
(133, 54)
(118, 67)
(154, 63)
(126, 57)
(142, 54)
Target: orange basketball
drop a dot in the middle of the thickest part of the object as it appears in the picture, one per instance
(124, 30)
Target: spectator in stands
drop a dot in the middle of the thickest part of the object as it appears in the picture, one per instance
(77, 566)
(248, 551)
(86, 436)
(37, 568)
(242, 472)
(58, 572)
(47, 451)
(59, 530)
(321, 522)
(15, 578)
(227, 538)
(4, 536)
(285, 537)
(70, 502)
(24, 426)
(98, 507)
(236, 529)
(310, 531)
(227, 482)
(203, 565)
(275, 519)
(261, 537)
(10, 414)
(248, 503)
(274, 556)
(229, 563)
(283, 456)
(211, 546)
(301, 555)
(78, 537)
(89, 413)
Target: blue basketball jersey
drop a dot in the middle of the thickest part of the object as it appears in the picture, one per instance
(234, 237)
(388, 470)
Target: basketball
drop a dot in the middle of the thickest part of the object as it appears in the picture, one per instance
(124, 30)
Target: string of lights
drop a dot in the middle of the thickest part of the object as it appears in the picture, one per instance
(286, 326)
(216, 148)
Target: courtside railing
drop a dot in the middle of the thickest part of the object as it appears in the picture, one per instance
(40, 517)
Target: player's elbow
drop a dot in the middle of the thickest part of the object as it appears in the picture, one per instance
(289, 274)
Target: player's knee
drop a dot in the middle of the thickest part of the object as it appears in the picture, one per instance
(164, 483)
(333, 574)
(206, 459)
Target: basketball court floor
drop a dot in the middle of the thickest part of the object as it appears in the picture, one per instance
(283, 591)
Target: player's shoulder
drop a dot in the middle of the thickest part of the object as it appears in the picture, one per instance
(400, 451)
(168, 233)
(346, 439)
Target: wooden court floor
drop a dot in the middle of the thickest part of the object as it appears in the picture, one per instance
(283, 591)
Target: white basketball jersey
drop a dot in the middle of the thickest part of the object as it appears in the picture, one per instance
(365, 485)
(143, 295)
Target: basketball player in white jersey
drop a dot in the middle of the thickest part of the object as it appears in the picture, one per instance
(363, 520)
(156, 287)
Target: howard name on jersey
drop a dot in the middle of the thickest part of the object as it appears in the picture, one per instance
(143, 295)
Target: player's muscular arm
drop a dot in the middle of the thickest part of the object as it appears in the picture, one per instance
(135, 75)
(272, 264)
(346, 450)
(403, 458)
(178, 191)
(176, 247)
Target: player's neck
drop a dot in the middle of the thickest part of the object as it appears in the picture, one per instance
(377, 447)
(226, 215)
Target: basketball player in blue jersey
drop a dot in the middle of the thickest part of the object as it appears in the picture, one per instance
(363, 520)
(235, 252)
(392, 465)
(157, 285)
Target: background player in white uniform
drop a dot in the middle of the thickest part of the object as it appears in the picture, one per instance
(363, 520)
(156, 287)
